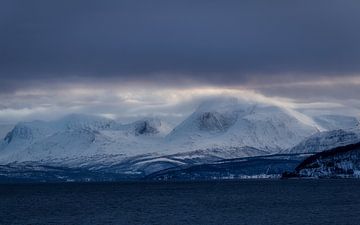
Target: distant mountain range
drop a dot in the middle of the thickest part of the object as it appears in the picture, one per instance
(216, 131)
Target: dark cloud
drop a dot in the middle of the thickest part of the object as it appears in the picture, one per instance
(217, 42)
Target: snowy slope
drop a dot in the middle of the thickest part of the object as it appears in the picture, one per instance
(79, 136)
(327, 140)
(263, 127)
(334, 122)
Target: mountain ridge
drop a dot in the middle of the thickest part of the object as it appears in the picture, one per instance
(215, 131)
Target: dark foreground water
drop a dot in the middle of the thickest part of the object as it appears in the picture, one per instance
(250, 202)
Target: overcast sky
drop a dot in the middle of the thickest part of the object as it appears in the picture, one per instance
(140, 58)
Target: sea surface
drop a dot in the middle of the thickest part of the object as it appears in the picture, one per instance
(252, 202)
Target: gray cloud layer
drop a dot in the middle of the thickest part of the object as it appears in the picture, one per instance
(135, 58)
(216, 42)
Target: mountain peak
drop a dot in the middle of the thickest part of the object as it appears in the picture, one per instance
(215, 121)
(147, 127)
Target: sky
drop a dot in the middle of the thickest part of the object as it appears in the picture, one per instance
(130, 59)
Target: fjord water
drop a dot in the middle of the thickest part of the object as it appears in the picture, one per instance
(251, 202)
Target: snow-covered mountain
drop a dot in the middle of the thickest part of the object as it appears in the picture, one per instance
(334, 122)
(264, 127)
(79, 136)
(217, 130)
(327, 140)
